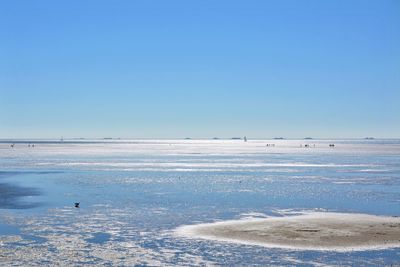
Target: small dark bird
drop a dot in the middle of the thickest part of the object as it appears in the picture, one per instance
(76, 204)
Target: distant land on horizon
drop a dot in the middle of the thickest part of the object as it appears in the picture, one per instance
(83, 139)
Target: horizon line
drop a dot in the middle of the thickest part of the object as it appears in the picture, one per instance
(194, 138)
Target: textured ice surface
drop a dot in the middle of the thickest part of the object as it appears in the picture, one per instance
(134, 193)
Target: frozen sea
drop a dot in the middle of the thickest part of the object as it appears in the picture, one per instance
(134, 193)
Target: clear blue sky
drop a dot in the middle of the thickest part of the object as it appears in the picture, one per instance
(201, 68)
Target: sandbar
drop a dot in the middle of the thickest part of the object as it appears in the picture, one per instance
(307, 231)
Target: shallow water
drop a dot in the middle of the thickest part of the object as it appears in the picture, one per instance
(133, 194)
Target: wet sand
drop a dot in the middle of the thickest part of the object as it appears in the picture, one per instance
(308, 231)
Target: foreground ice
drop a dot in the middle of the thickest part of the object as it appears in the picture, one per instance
(134, 193)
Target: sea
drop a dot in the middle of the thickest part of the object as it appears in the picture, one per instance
(133, 194)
